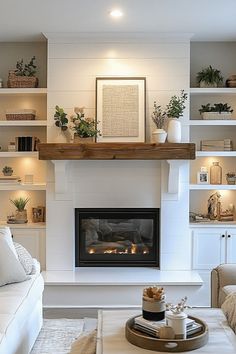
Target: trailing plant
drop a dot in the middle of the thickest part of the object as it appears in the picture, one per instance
(176, 309)
(84, 127)
(159, 116)
(7, 169)
(176, 106)
(20, 203)
(217, 107)
(27, 69)
(210, 75)
(61, 121)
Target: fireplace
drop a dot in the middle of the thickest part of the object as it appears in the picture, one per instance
(117, 237)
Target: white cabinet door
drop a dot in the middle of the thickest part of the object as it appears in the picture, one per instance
(33, 240)
(209, 248)
(231, 246)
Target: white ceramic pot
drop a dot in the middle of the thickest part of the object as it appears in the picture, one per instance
(174, 131)
(204, 84)
(159, 136)
(178, 323)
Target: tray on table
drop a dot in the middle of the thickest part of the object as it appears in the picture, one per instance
(166, 345)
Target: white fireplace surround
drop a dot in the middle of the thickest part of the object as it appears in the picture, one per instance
(73, 65)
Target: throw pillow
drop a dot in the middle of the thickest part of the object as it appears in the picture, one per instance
(11, 271)
(5, 232)
(24, 257)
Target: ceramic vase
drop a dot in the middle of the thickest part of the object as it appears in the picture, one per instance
(159, 136)
(178, 323)
(174, 131)
(154, 310)
(21, 216)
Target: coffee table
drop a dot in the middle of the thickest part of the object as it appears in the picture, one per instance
(111, 333)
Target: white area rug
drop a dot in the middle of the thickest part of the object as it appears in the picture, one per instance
(57, 335)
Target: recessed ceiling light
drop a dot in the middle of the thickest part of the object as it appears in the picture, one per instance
(116, 13)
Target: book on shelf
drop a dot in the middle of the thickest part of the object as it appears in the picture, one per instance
(152, 327)
(216, 145)
(26, 143)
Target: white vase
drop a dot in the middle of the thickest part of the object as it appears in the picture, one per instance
(174, 131)
(178, 323)
(159, 136)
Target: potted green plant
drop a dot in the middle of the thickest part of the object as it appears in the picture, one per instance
(217, 111)
(159, 118)
(230, 177)
(7, 171)
(174, 110)
(85, 129)
(24, 75)
(209, 77)
(61, 121)
(21, 212)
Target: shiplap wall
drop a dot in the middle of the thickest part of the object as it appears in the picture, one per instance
(73, 66)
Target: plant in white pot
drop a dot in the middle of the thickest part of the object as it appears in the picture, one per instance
(7, 171)
(174, 110)
(176, 318)
(217, 111)
(21, 212)
(159, 117)
(85, 129)
(209, 77)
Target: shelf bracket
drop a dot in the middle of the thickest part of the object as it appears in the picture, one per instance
(173, 178)
(60, 170)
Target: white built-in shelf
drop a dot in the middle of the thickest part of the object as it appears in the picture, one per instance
(215, 91)
(22, 186)
(212, 187)
(204, 122)
(23, 91)
(211, 224)
(19, 154)
(215, 153)
(25, 123)
(28, 225)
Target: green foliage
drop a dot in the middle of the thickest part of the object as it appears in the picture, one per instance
(60, 118)
(159, 116)
(210, 76)
(7, 169)
(82, 126)
(230, 174)
(217, 107)
(27, 69)
(176, 106)
(20, 203)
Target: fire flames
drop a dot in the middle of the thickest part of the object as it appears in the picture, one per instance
(131, 250)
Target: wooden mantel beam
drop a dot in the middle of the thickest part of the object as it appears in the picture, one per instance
(117, 151)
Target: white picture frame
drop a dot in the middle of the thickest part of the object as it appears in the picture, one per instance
(202, 177)
(121, 109)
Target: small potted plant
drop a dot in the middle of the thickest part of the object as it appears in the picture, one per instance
(174, 110)
(209, 77)
(61, 121)
(159, 118)
(217, 111)
(7, 171)
(154, 305)
(230, 177)
(21, 212)
(176, 318)
(85, 129)
(24, 75)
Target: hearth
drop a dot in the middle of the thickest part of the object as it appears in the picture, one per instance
(117, 237)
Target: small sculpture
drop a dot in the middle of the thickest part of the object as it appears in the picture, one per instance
(213, 205)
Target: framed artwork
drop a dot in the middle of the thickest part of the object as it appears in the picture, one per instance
(202, 177)
(38, 214)
(121, 108)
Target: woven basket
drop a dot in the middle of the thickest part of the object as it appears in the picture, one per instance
(15, 81)
(20, 116)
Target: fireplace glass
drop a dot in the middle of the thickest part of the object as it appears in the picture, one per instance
(117, 237)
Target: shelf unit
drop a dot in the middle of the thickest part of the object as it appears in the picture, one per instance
(23, 123)
(212, 91)
(23, 91)
(22, 187)
(19, 154)
(206, 187)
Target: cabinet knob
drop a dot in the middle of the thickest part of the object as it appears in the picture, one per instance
(223, 236)
(229, 236)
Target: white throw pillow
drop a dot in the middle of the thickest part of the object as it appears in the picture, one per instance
(24, 257)
(5, 232)
(11, 271)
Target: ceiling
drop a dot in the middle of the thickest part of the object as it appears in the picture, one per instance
(207, 20)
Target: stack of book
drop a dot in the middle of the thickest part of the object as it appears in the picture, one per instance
(10, 179)
(216, 145)
(152, 327)
(26, 143)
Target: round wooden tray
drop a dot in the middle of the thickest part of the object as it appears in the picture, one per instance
(166, 345)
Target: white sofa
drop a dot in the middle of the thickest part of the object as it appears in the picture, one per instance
(21, 314)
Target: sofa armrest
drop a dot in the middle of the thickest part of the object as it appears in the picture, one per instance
(221, 276)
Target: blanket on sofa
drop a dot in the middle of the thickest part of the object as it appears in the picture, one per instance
(229, 309)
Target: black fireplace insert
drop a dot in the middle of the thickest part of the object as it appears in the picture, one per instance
(117, 237)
